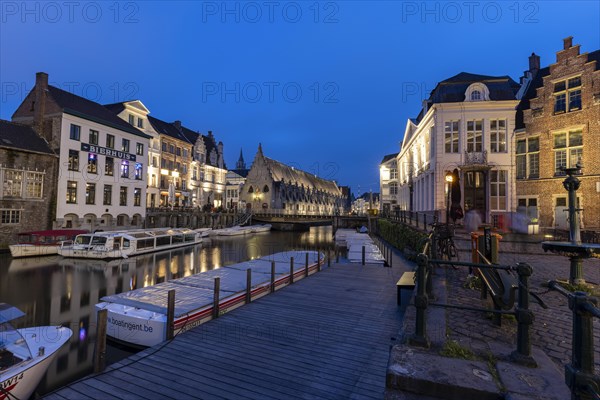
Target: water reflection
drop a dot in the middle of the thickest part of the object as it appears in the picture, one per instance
(54, 290)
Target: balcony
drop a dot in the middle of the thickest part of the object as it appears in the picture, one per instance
(475, 160)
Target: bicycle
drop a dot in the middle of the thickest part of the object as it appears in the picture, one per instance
(443, 236)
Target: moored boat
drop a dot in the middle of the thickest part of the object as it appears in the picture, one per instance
(139, 318)
(124, 244)
(260, 228)
(41, 243)
(25, 354)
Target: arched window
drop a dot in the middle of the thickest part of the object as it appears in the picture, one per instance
(265, 189)
(475, 95)
(250, 189)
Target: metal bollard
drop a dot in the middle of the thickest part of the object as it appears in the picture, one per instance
(525, 319)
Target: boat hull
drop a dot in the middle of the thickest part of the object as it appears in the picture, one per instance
(31, 250)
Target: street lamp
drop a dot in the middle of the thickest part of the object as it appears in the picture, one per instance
(449, 179)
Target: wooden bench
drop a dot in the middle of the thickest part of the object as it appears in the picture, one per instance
(502, 287)
(406, 281)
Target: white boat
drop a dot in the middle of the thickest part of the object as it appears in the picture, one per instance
(41, 243)
(260, 228)
(138, 318)
(25, 354)
(354, 241)
(124, 244)
(203, 232)
(233, 231)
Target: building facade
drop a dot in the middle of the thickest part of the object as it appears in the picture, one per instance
(272, 186)
(28, 170)
(235, 180)
(388, 183)
(466, 124)
(101, 182)
(559, 126)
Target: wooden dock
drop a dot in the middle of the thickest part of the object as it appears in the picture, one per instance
(325, 337)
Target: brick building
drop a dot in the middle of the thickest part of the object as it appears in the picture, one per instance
(558, 124)
(28, 175)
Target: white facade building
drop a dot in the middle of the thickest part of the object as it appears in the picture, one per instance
(466, 125)
(388, 183)
(102, 159)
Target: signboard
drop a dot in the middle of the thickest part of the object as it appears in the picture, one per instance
(90, 148)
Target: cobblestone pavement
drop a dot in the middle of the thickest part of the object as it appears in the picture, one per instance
(552, 329)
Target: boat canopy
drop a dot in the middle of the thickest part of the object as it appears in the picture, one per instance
(8, 313)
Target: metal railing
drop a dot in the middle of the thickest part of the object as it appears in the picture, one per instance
(522, 313)
(420, 220)
(580, 375)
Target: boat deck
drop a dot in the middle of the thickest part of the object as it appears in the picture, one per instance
(324, 337)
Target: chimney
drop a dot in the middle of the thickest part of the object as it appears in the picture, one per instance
(424, 107)
(567, 43)
(177, 125)
(534, 63)
(39, 107)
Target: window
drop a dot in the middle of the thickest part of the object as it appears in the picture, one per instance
(567, 95)
(71, 192)
(451, 136)
(393, 188)
(125, 145)
(73, 160)
(75, 132)
(498, 190)
(140, 123)
(474, 136)
(498, 136)
(107, 195)
(131, 120)
(34, 185)
(124, 169)
(90, 193)
(155, 161)
(123, 196)
(528, 206)
(93, 137)
(137, 196)
(138, 171)
(528, 158)
(92, 166)
(109, 166)
(164, 147)
(153, 181)
(185, 153)
(171, 149)
(476, 95)
(568, 150)
(110, 141)
(10, 217)
(178, 151)
(13, 183)
(139, 149)
(393, 173)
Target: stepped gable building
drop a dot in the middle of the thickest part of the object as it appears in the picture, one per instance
(388, 183)
(235, 179)
(465, 124)
(101, 182)
(274, 186)
(28, 170)
(558, 125)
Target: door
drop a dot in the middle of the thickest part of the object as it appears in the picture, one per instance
(475, 193)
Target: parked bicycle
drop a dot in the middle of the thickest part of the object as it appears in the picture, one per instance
(443, 237)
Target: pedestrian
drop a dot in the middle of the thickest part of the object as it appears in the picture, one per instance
(472, 221)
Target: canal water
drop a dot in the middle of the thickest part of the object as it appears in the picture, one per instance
(53, 290)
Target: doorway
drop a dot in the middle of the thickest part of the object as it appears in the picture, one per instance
(475, 193)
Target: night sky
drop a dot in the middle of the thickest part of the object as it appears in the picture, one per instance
(326, 87)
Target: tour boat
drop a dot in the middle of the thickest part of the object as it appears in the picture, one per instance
(41, 243)
(124, 244)
(25, 354)
(139, 318)
(233, 231)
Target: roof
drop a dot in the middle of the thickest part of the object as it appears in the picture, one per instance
(452, 90)
(281, 172)
(167, 128)
(241, 172)
(388, 157)
(117, 108)
(22, 137)
(90, 110)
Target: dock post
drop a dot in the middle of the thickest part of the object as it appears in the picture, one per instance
(170, 313)
(363, 255)
(272, 276)
(306, 264)
(100, 348)
(217, 289)
(248, 285)
(291, 270)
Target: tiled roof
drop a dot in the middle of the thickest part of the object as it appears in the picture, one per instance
(115, 107)
(280, 171)
(167, 128)
(22, 137)
(90, 110)
(388, 157)
(452, 90)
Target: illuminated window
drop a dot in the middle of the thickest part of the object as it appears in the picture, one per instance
(568, 150)
(92, 166)
(498, 136)
(474, 136)
(90, 193)
(451, 137)
(71, 192)
(567, 95)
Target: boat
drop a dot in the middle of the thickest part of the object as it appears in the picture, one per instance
(25, 354)
(355, 241)
(41, 243)
(260, 228)
(139, 318)
(124, 244)
(233, 231)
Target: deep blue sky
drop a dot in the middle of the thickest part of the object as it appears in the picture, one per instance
(326, 87)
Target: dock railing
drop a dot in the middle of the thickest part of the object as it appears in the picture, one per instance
(424, 297)
(580, 374)
(418, 219)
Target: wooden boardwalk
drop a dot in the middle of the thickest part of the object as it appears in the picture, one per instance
(325, 337)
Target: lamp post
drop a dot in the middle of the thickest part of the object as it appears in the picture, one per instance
(449, 179)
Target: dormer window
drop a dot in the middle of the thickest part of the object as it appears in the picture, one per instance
(475, 95)
(477, 92)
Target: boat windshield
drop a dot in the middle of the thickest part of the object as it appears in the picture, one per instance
(98, 240)
(13, 348)
(83, 239)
